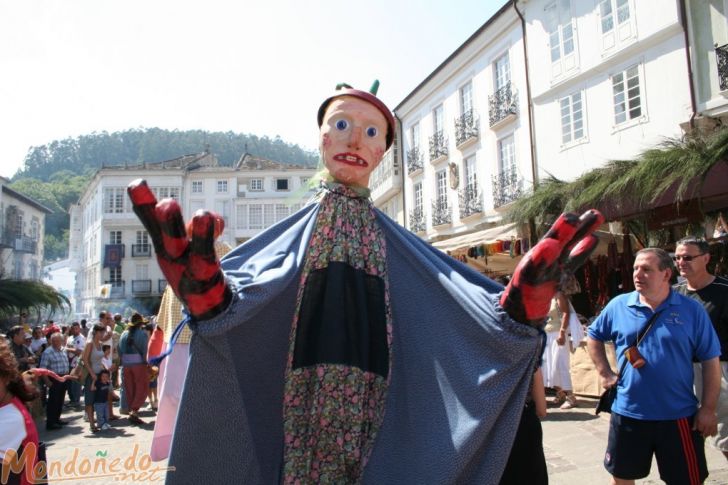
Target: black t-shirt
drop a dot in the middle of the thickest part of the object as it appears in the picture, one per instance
(714, 299)
(101, 394)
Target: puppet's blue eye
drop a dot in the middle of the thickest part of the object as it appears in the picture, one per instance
(372, 131)
(342, 125)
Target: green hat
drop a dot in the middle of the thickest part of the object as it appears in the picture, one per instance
(343, 89)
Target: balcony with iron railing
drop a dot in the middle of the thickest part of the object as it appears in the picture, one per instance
(503, 105)
(441, 213)
(141, 250)
(467, 128)
(414, 161)
(471, 201)
(117, 288)
(141, 287)
(385, 180)
(721, 57)
(21, 244)
(417, 220)
(438, 146)
(507, 187)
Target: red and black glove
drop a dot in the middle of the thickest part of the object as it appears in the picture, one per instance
(189, 263)
(566, 246)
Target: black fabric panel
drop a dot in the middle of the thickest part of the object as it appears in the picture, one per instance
(342, 320)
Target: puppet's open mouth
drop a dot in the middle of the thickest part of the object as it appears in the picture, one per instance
(351, 159)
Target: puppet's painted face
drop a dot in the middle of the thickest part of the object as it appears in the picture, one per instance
(353, 140)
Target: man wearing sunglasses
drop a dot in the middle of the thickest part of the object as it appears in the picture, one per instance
(691, 257)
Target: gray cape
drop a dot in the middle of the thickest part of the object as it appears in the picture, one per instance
(461, 368)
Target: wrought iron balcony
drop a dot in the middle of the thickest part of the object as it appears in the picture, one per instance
(441, 213)
(507, 187)
(471, 200)
(721, 56)
(117, 288)
(141, 250)
(467, 127)
(21, 244)
(414, 160)
(417, 220)
(161, 285)
(141, 287)
(438, 146)
(503, 104)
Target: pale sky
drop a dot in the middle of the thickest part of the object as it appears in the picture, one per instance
(72, 67)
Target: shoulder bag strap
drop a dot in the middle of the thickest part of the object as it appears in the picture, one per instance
(640, 337)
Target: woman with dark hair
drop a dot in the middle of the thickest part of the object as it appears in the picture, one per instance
(19, 433)
(92, 358)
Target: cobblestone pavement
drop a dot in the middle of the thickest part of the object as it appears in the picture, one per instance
(574, 441)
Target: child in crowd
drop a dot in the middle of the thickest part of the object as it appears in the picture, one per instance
(102, 388)
(106, 359)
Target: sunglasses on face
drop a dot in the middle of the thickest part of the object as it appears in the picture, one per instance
(687, 257)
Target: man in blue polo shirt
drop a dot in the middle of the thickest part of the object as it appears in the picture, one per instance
(656, 410)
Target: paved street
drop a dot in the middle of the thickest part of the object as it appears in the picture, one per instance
(574, 441)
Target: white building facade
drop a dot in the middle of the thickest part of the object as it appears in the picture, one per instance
(466, 141)
(609, 80)
(109, 245)
(22, 222)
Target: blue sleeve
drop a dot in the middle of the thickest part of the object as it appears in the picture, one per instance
(707, 345)
(601, 328)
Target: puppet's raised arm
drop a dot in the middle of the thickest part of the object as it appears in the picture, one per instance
(189, 263)
(564, 248)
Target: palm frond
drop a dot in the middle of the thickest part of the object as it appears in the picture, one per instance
(19, 295)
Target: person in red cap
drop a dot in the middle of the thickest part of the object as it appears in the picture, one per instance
(337, 347)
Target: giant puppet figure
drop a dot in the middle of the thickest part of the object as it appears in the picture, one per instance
(337, 347)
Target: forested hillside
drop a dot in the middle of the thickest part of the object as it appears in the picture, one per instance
(57, 173)
(84, 154)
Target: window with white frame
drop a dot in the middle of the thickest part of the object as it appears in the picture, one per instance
(34, 225)
(627, 96)
(256, 184)
(115, 276)
(562, 41)
(507, 156)
(471, 175)
(466, 98)
(114, 237)
(415, 135)
(255, 216)
(441, 189)
(572, 118)
(437, 120)
(502, 71)
(166, 193)
(114, 200)
(417, 190)
(222, 186)
(616, 22)
(197, 186)
(281, 212)
(142, 238)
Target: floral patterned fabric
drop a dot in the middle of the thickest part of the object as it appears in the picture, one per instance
(332, 411)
